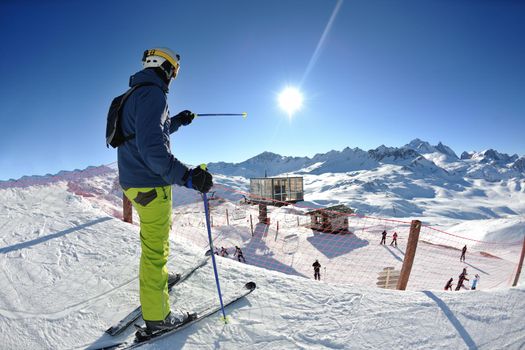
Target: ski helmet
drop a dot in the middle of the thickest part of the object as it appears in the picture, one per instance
(163, 58)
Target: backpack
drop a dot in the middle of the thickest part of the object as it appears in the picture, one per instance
(114, 135)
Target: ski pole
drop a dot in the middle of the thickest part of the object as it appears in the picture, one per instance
(208, 227)
(244, 115)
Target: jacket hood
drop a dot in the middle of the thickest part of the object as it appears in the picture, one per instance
(148, 76)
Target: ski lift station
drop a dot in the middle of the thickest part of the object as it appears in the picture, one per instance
(276, 191)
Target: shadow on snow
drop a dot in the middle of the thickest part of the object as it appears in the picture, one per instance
(334, 245)
(39, 240)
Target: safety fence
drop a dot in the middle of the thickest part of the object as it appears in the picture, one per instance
(290, 240)
(348, 247)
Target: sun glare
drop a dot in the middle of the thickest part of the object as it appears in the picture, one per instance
(290, 100)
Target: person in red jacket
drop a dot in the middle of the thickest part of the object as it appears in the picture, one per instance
(394, 239)
(224, 252)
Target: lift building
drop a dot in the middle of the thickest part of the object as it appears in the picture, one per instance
(276, 191)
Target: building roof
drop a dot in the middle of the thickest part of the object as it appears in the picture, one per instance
(341, 208)
(276, 178)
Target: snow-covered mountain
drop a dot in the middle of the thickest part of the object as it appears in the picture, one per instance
(488, 165)
(418, 179)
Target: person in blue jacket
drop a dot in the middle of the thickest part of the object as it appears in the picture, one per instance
(475, 282)
(147, 170)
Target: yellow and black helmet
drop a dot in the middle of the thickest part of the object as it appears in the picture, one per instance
(164, 58)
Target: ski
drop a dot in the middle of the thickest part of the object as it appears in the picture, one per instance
(142, 337)
(137, 313)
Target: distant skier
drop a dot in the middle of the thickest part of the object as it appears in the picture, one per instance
(239, 254)
(383, 239)
(394, 239)
(475, 282)
(448, 286)
(317, 269)
(462, 279)
(463, 252)
(224, 252)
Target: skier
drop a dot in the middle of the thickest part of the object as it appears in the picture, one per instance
(475, 282)
(317, 269)
(147, 169)
(394, 239)
(448, 286)
(224, 252)
(383, 239)
(463, 251)
(462, 278)
(239, 254)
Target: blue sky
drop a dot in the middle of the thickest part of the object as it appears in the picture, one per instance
(385, 72)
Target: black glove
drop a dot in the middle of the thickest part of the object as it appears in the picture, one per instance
(198, 179)
(185, 117)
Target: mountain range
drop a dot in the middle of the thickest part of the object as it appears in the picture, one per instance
(416, 180)
(417, 156)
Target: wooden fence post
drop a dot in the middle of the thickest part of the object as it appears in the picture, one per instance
(413, 238)
(251, 223)
(227, 218)
(127, 211)
(520, 265)
(263, 214)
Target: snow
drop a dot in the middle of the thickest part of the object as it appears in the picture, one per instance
(69, 264)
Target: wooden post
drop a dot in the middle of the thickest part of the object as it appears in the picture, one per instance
(298, 222)
(520, 265)
(127, 211)
(263, 214)
(413, 238)
(251, 223)
(227, 218)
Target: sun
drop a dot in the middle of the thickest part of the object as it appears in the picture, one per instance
(290, 100)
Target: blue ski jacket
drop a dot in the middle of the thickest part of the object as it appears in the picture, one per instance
(146, 160)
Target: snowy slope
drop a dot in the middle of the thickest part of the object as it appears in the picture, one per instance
(69, 271)
(69, 265)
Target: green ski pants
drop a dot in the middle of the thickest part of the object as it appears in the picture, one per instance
(153, 205)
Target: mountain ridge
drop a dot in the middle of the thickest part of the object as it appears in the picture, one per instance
(489, 164)
(417, 179)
